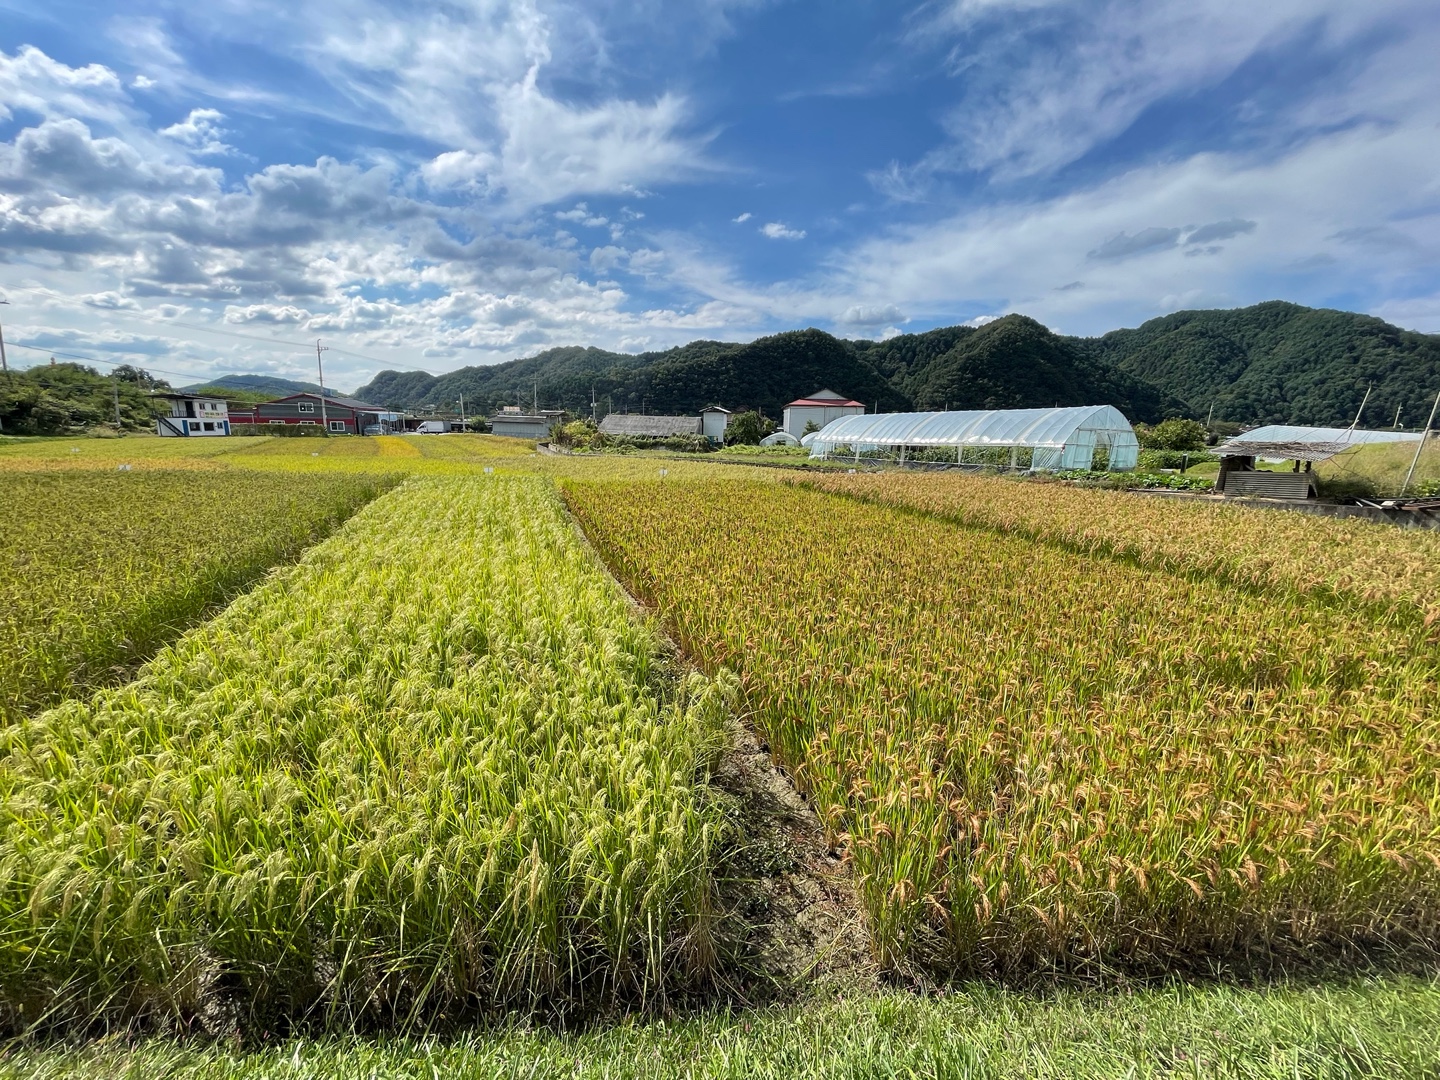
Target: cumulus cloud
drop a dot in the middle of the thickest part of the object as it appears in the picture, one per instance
(742, 218)
(776, 230)
(200, 132)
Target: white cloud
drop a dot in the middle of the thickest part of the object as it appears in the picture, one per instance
(742, 218)
(200, 132)
(1042, 83)
(776, 230)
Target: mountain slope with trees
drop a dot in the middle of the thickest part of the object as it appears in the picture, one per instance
(1270, 363)
(1283, 363)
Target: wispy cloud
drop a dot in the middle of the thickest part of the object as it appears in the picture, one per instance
(776, 230)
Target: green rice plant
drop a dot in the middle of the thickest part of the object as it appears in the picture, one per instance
(1037, 759)
(1268, 549)
(98, 569)
(438, 765)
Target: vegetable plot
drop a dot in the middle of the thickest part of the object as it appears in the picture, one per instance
(437, 765)
(1039, 759)
(99, 569)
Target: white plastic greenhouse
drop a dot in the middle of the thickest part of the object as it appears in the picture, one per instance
(1050, 439)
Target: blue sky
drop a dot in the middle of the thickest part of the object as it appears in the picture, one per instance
(207, 188)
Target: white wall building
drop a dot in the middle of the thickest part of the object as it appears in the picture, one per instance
(819, 409)
(713, 422)
(190, 415)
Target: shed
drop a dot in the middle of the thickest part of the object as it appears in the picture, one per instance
(1063, 438)
(780, 438)
(191, 415)
(518, 425)
(1286, 442)
(820, 408)
(636, 426)
(713, 422)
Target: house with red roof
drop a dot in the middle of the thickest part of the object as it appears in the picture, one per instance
(819, 409)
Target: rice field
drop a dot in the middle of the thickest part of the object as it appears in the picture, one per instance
(1037, 760)
(98, 569)
(1269, 550)
(439, 764)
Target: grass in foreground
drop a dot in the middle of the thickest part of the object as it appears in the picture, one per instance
(98, 569)
(1361, 1029)
(438, 765)
(1036, 758)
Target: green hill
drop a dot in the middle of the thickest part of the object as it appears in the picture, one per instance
(762, 374)
(1270, 363)
(250, 385)
(1283, 363)
(1012, 363)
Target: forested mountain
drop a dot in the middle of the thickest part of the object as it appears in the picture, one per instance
(252, 384)
(1269, 363)
(1283, 363)
(1012, 363)
(763, 374)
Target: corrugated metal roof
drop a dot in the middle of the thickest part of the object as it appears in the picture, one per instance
(331, 399)
(651, 427)
(1305, 443)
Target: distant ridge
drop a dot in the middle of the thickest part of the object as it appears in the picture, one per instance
(1013, 362)
(259, 384)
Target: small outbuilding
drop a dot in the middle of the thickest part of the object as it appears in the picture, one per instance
(637, 426)
(820, 408)
(1035, 439)
(713, 422)
(191, 415)
(1286, 442)
(519, 425)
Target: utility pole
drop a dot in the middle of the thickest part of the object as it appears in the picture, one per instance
(592, 403)
(1210, 416)
(3, 364)
(534, 397)
(1421, 446)
(320, 368)
(462, 413)
(1360, 412)
(1396, 425)
(115, 385)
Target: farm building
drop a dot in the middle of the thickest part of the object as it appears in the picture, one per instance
(1284, 442)
(820, 408)
(519, 425)
(713, 422)
(190, 415)
(1051, 439)
(341, 415)
(636, 426)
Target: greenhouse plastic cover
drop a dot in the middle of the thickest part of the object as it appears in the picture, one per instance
(1079, 426)
(1286, 433)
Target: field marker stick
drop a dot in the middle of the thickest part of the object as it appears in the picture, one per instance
(1423, 436)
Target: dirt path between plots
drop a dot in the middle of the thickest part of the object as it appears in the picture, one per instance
(791, 915)
(790, 895)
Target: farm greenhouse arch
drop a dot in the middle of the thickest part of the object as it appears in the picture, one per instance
(1053, 439)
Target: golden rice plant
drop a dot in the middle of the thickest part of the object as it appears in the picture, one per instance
(437, 765)
(1250, 547)
(1038, 759)
(98, 569)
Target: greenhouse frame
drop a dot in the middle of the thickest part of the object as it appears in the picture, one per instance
(1040, 440)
